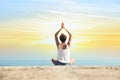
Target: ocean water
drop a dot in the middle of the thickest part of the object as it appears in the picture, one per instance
(47, 62)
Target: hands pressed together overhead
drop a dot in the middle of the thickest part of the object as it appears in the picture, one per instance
(62, 25)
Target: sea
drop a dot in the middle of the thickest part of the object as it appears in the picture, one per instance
(47, 62)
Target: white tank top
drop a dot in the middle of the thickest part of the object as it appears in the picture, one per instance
(64, 54)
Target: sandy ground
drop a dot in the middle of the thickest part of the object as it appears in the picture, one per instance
(60, 73)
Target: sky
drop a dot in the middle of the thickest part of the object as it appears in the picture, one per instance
(27, 28)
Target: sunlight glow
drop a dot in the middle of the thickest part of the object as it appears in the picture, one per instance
(31, 24)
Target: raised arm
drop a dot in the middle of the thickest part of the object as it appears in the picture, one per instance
(56, 34)
(56, 38)
(70, 37)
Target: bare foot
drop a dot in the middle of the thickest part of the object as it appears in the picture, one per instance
(53, 61)
(72, 61)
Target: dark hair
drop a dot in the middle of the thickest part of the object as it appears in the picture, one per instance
(62, 37)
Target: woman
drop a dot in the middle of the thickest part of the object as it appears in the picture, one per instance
(63, 48)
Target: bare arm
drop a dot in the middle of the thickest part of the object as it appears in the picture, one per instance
(70, 37)
(56, 38)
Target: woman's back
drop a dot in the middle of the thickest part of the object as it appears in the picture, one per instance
(64, 53)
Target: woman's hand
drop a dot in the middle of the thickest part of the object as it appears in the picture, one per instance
(62, 25)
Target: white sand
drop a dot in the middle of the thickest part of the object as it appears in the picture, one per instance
(60, 73)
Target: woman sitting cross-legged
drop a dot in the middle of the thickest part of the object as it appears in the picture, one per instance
(63, 48)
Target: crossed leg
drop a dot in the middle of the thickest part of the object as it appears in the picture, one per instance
(71, 61)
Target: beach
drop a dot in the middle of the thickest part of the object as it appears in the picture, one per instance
(60, 73)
